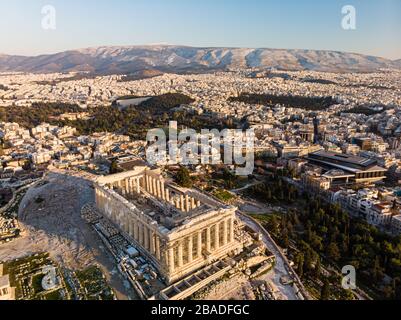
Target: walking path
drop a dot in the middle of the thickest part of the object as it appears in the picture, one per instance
(282, 267)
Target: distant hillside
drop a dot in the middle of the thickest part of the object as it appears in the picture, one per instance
(158, 58)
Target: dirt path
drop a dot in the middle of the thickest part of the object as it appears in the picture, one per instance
(280, 269)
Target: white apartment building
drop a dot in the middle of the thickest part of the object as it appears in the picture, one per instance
(365, 204)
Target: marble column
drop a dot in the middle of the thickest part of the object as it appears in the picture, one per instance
(190, 249)
(139, 181)
(180, 255)
(182, 203)
(163, 189)
(124, 186)
(224, 232)
(152, 189)
(154, 185)
(171, 265)
(141, 234)
(146, 236)
(157, 244)
(127, 186)
(120, 187)
(159, 189)
(146, 178)
(217, 237)
(208, 239)
(231, 235)
(199, 247)
(187, 204)
(150, 185)
(136, 231)
(138, 186)
(152, 242)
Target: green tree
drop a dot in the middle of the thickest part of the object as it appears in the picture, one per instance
(300, 260)
(114, 168)
(230, 180)
(308, 261)
(273, 225)
(333, 252)
(317, 269)
(27, 165)
(325, 291)
(377, 271)
(183, 178)
(285, 241)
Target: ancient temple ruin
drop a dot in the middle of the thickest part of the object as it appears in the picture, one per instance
(181, 230)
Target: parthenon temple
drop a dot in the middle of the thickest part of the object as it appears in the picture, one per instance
(181, 230)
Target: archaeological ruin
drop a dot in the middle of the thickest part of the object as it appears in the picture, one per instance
(180, 230)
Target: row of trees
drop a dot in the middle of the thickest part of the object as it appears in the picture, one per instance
(275, 190)
(307, 103)
(37, 113)
(367, 111)
(165, 102)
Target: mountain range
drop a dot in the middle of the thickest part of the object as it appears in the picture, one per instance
(181, 59)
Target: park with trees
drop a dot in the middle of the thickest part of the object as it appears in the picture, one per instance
(321, 239)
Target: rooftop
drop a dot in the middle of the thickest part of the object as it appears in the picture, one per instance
(346, 158)
(337, 174)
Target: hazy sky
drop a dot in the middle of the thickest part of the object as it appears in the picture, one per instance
(303, 24)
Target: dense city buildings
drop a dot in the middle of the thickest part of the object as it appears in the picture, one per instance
(327, 144)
